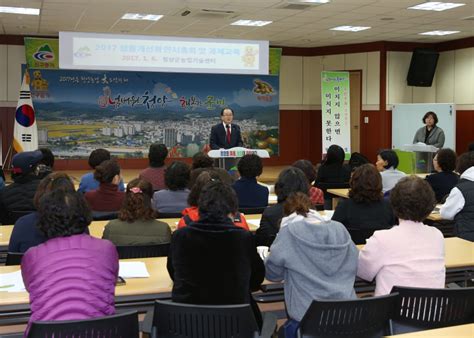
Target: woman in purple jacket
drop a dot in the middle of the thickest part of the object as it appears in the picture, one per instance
(72, 275)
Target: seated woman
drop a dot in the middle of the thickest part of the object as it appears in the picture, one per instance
(107, 198)
(212, 261)
(155, 173)
(460, 203)
(72, 275)
(387, 163)
(332, 173)
(174, 198)
(316, 259)
(365, 208)
(411, 254)
(88, 182)
(136, 223)
(191, 214)
(316, 195)
(290, 180)
(445, 178)
(249, 192)
(202, 160)
(26, 233)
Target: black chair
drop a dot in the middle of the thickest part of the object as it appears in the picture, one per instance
(176, 320)
(104, 215)
(142, 251)
(365, 317)
(424, 309)
(117, 326)
(14, 258)
(359, 236)
(169, 215)
(251, 211)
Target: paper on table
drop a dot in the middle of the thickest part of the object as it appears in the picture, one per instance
(328, 214)
(272, 198)
(12, 282)
(133, 270)
(255, 222)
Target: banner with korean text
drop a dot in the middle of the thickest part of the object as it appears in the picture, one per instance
(335, 106)
(124, 112)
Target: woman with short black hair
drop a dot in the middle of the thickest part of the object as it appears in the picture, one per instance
(174, 198)
(365, 208)
(445, 178)
(249, 192)
(430, 134)
(212, 261)
(72, 275)
(411, 254)
(155, 173)
(387, 163)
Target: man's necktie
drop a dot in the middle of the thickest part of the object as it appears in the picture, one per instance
(227, 126)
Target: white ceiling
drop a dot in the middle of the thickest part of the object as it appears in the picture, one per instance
(296, 28)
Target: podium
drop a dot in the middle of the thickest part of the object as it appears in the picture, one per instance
(225, 155)
(423, 156)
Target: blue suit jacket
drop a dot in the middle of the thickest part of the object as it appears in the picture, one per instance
(219, 140)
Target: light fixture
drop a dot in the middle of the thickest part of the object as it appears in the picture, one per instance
(439, 33)
(350, 28)
(437, 6)
(20, 10)
(137, 16)
(253, 23)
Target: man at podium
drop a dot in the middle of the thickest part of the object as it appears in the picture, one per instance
(226, 134)
(430, 134)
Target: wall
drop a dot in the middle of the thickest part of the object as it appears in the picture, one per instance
(453, 82)
(384, 67)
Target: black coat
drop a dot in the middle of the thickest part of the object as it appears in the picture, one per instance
(442, 183)
(18, 196)
(214, 264)
(269, 224)
(219, 140)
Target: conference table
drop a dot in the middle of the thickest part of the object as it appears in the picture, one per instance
(139, 293)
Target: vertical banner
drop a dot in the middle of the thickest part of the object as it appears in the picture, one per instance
(335, 105)
(274, 61)
(42, 53)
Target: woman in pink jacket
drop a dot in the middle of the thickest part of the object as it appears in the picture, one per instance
(412, 253)
(72, 275)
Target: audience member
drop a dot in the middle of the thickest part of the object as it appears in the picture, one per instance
(411, 254)
(316, 195)
(202, 160)
(249, 193)
(223, 175)
(174, 198)
(365, 208)
(45, 166)
(191, 214)
(212, 261)
(136, 223)
(72, 275)
(332, 173)
(387, 163)
(18, 196)
(290, 180)
(26, 233)
(155, 173)
(460, 203)
(88, 182)
(2, 183)
(445, 178)
(470, 147)
(316, 259)
(107, 198)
